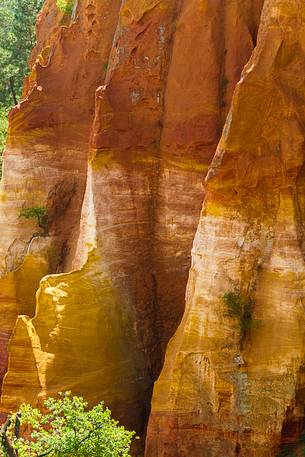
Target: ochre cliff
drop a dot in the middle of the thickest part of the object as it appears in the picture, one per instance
(216, 396)
(116, 132)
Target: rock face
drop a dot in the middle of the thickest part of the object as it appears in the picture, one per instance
(117, 129)
(218, 395)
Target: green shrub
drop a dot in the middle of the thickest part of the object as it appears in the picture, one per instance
(36, 212)
(240, 307)
(65, 6)
(65, 428)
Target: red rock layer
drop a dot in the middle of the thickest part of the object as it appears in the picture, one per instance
(163, 73)
(219, 394)
(213, 40)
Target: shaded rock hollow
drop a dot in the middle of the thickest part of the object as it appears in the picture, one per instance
(117, 129)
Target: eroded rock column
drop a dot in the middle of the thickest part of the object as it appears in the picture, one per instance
(216, 396)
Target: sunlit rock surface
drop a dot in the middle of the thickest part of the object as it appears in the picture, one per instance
(216, 397)
(118, 127)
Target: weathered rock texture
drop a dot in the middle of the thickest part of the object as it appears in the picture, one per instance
(216, 396)
(120, 120)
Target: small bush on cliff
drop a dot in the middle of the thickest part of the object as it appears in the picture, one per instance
(241, 308)
(65, 6)
(65, 428)
(36, 212)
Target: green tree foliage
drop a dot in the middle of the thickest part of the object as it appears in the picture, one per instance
(66, 428)
(17, 39)
(36, 212)
(65, 6)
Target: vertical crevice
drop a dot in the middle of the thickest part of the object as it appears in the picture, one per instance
(222, 56)
(155, 186)
(293, 429)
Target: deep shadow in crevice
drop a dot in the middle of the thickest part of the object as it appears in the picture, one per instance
(293, 429)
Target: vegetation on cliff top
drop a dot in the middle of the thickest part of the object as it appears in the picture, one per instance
(17, 39)
(65, 428)
(66, 6)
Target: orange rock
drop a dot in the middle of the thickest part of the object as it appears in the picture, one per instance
(45, 163)
(217, 396)
(121, 117)
(206, 63)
